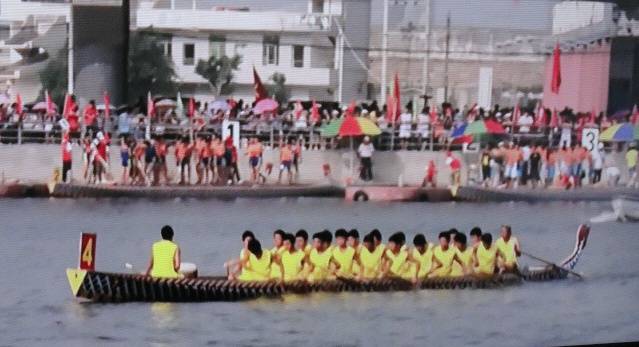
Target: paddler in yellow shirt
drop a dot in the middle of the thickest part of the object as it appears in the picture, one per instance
(290, 260)
(276, 251)
(509, 246)
(369, 259)
(396, 258)
(420, 257)
(258, 263)
(165, 256)
(343, 254)
(321, 258)
(377, 239)
(443, 257)
(353, 242)
(485, 256)
(465, 253)
(234, 267)
(301, 244)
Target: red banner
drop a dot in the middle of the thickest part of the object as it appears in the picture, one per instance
(87, 251)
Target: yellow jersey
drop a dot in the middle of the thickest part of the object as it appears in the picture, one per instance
(399, 266)
(276, 273)
(486, 259)
(446, 258)
(355, 266)
(163, 259)
(260, 268)
(371, 262)
(508, 249)
(246, 273)
(345, 260)
(425, 261)
(292, 265)
(466, 257)
(320, 263)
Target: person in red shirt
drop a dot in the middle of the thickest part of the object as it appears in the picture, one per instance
(455, 167)
(160, 162)
(183, 158)
(66, 157)
(90, 114)
(431, 175)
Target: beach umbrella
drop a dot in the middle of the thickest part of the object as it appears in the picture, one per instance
(620, 132)
(165, 103)
(41, 106)
(265, 105)
(479, 127)
(351, 126)
(219, 105)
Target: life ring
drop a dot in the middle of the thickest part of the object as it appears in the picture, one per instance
(360, 194)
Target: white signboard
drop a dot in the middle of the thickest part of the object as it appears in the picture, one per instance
(485, 91)
(590, 139)
(231, 128)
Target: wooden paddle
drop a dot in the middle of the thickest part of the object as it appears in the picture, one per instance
(550, 263)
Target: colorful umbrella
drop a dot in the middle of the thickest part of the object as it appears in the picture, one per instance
(351, 126)
(219, 105)
(621, 132)
(479, 127)
(41, 106)
(166, 103)
(265, 105)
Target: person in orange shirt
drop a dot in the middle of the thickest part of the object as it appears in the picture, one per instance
(217, 150)
(202, 154)
(254, 152)
(513, 156)
(552, 164)
(183, 159)
(90, 114)
(579, 154)
(160, 155)
(286, 157)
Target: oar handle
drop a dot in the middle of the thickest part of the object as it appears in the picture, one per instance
(550, 263)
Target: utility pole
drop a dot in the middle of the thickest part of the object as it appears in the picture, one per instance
(70, 71)
(427, 55)
(446, 61)
(382, 93)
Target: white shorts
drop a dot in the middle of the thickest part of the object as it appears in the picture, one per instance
(511, 171)
(404, 131)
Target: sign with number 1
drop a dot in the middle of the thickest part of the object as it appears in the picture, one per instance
(231, 128)
(590, 138)
(87, 251)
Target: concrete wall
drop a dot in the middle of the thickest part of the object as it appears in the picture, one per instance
(35, 163)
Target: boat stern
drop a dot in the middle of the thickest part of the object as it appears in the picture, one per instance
(76, 278)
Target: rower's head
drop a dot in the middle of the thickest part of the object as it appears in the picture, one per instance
(247, 236)
(444, 239)
(419, 241)
(506, 231)
(396, 241)
(327, 238)
(487, 240)
(301, 239)
(353, 238)
(475, 235)
(289, 242)
(255, 247)
(460, 241)
(340, 237)
(167, 233)
(317, 241)
(452, 233)
(377, 237)
(369, 242)
(278, 238)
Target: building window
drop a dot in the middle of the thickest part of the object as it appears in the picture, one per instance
(217, 45)
(318, 6)
(298, 56)
(189, 54)
(271, 50)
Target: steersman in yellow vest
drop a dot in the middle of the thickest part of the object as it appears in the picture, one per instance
(165, 258)
(509, 246)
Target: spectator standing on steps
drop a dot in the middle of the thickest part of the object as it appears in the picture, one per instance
(365, 152)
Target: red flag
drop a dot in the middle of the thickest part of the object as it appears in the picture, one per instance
(231, 103)
(398, 99)
(49, 101)
(593, 116)
(260, 91)
(391, 109)
(635, 116)
(150, 106)
(315, 116)
(68, 105)
(472, 114)
(298, 109)
(19, 105)
(433, 114)
(556, 71)
(540, 115)
(191, 107)
(350, 110)
(553, 120)
(107, 104)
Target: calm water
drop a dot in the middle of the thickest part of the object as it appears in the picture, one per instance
(39, 240)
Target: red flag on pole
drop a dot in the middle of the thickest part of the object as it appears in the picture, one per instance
(350, 110)
(556, 71)
(635, 116)
(391, 109)
(191, 107)
(539, 115)
(68, 105)
(150, 106)
(260, 91)
(298, 109)
(49, 101)
(398, 99)
(315, 116)
(107, 104)
(19, 105)
(433, 114)
(472, 114)
(554, 121)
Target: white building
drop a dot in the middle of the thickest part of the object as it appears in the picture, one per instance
(304, 46)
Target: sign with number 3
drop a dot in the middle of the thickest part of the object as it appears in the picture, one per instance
(590, 139)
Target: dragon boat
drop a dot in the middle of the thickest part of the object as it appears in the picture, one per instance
(122, 287)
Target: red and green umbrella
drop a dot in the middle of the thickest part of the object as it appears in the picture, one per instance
(479, 128)
(351, 126)
(620, 132)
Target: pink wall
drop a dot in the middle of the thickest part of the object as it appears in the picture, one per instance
(584, 80)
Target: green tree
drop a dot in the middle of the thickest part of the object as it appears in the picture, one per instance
(219, 72)
(150, 70)
(54, 77)
(278, 90)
